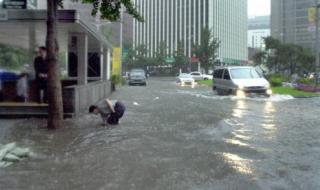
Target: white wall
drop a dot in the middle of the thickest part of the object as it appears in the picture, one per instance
(255, 37)
(42, 4)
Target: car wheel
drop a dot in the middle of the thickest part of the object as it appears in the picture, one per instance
(205, 79)
(219, 92)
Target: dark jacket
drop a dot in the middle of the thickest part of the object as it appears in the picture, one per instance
(41, 67)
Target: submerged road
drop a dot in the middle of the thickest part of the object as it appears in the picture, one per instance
(174, 138)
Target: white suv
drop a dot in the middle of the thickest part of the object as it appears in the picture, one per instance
(240, 81)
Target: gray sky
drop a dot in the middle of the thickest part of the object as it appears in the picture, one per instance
(258, 7)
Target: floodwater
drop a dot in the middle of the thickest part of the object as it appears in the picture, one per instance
(174, 138)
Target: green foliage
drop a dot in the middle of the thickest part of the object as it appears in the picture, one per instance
(285, 58)
(294, 92)
(13, 58)
(206, 82)
(207, 50)
(307, 81)
(138, 57)
(181, 59)
(260, 58)
(161, 54)
(111, 9)
(276, 80)
(117, 80)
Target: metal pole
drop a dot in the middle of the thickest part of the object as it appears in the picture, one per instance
(317, 42)
(121, 39)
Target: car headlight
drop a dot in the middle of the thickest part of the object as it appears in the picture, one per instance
(241, 86)
(240, 94)
(267, 85)
(269, 92)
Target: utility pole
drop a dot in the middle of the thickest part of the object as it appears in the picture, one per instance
(121, 40)
(317, 42)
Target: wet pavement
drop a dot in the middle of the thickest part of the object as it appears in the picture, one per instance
(174, 138)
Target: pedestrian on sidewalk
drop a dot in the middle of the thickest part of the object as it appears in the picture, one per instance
(41, 71)
(22, 87)
(111, 111)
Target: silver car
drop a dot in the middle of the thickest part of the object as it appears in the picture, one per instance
(185, 79)
(240, 81)
(137, 77)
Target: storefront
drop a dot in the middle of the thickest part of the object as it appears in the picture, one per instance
(87, 54)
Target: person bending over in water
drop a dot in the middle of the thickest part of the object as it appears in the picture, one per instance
(111, 111)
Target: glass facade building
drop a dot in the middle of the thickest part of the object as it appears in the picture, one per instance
(173, 21)
(289, 22)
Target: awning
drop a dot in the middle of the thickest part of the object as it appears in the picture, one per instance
(16, 25)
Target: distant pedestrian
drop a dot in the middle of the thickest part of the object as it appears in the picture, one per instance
(22, 87)
(41, 74)
(111, 111)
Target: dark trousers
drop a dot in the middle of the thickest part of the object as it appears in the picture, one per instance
(41, 86)
(1, 96)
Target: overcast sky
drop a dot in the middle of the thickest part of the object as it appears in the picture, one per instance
(258, 7)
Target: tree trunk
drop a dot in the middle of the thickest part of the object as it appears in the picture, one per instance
(54, 85)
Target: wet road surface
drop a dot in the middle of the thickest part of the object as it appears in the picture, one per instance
(174, 138)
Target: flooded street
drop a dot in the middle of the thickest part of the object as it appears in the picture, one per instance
(174, 138)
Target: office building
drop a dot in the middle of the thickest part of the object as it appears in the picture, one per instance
(173, 21)
(289, 22)
(258, 29)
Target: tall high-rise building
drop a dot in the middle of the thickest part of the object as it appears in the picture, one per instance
(173, 21)
(258, 28)
(289, 22)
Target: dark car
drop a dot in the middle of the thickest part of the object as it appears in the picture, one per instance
(8, 76)
(137, 77)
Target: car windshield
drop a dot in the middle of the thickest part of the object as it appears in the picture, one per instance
(184, 75)
(244, 73)
(137, 73)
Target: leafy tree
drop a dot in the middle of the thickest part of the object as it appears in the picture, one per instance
(207, 49)
(306, 61)
(285, 58)
(161, 54)
(137, 57)
(109, 9)
(13, 58)
(260, 57)
(181, 59)
(129, 59)
(141, 56)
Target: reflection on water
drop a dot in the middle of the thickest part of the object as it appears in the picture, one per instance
(269, 108)
(184, 140)
(241, 165)
(240, 109)
(236, 142)
(268, 123)
(256, 123)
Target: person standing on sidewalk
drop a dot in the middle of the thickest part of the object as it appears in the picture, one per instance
(41, 74)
